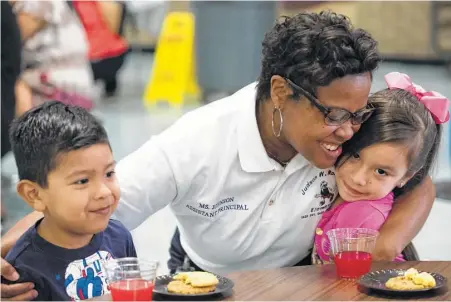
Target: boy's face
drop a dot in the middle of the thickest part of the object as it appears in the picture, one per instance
(82, 190)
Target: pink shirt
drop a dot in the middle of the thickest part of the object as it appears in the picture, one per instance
(370, 214)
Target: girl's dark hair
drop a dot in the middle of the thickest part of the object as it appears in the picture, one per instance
(399, 117)
(314, 49)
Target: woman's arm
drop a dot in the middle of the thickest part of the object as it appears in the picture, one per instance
(29, 274)
(147, 184)
(17, 292)
(408, 216)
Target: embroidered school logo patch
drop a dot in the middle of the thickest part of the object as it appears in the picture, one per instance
(326, 193)
(321, 175)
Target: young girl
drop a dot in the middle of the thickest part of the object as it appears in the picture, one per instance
(391, 154)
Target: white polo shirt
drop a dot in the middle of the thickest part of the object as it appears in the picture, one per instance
(237, 209)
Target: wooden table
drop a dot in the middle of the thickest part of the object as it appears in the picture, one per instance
(319, 283)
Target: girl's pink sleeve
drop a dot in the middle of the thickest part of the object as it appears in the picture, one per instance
(359, 215)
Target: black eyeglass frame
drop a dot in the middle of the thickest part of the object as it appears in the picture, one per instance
(356, 118)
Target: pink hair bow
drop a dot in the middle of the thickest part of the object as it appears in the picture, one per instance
(436, 103)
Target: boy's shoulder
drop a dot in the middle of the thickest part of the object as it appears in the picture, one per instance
(118, 240)
(22, 247)
(58, 273)
(115, 229)
(30, 263)
(115, 226)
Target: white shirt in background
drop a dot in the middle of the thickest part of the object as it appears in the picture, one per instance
(59, 49)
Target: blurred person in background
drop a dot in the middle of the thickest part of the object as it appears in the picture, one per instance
(103, 23)
(11, 62)
(11, 66)
(55, 54)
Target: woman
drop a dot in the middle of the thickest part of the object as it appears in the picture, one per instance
(249, 176)
(54, 54)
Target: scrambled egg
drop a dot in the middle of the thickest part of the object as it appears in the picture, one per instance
(411, 280)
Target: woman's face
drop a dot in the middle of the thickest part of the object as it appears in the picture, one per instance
(304, 126)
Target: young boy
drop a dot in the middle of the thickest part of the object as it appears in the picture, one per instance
(66, 171)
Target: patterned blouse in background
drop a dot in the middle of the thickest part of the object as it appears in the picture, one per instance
(57, 53)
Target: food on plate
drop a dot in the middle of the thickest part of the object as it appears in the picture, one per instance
(191, 283)
(424, 279)
(410, 273)
(411, 280)
(401, 283)
(180, 287)
(197, 279)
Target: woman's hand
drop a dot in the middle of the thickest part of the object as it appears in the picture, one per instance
(15, 292)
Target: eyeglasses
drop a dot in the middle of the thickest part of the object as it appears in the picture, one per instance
(334, 116)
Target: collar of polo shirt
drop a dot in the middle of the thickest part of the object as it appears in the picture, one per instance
(252, 153)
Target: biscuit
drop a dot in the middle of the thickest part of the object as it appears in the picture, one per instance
(179, 287)
(197, 279)
(180, 276)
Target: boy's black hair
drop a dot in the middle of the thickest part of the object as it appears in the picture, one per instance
(48, 130)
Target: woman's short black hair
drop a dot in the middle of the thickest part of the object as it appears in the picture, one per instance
(313, 49)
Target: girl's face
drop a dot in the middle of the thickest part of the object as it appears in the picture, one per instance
(373, 173)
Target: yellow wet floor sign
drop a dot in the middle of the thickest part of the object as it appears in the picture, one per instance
(173, 77)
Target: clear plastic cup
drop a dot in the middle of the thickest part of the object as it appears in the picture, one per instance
(131, 279)
(352, 250)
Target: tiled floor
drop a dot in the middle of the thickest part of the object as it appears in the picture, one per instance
(129, 125)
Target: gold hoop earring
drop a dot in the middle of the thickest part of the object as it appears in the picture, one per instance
(281, 122)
